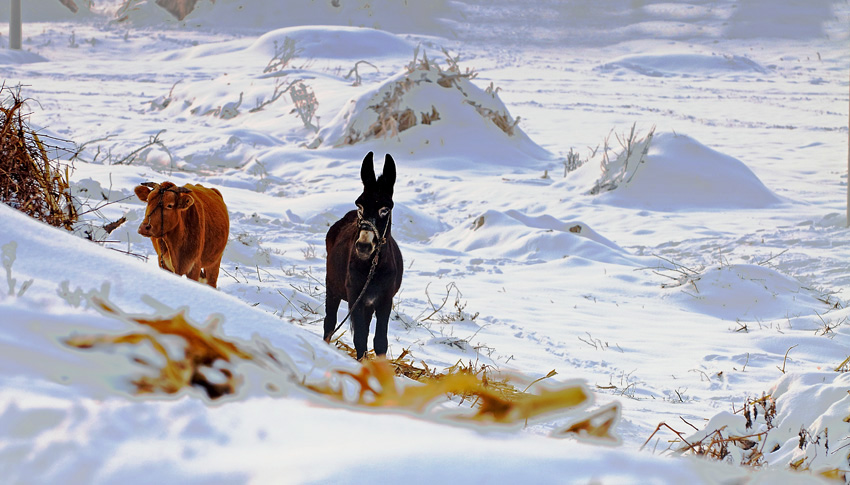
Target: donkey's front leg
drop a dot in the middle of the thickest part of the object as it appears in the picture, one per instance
(361, 318)
(382, 318)
(331, 307)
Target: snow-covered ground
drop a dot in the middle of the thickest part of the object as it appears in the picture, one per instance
(704, 269)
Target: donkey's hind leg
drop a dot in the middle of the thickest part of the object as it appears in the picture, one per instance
(331, 307)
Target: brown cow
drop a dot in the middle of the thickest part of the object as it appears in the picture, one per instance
(188, 227)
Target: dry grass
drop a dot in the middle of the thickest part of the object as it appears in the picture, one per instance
(622, 168)
(29, 180)
(203, 363)
(394, 117)
(717, 444)
(206, 361)
(495, 399)
(844, 366)
(377, 387)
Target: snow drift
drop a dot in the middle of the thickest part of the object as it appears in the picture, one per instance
(685, 64)
(514, 235)
(674, 172)
(429, 109)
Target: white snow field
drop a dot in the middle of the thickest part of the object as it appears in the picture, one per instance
(646, 197)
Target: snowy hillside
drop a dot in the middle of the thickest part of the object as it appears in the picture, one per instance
(647, 198)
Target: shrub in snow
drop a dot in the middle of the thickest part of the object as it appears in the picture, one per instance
(31, 182)
(305, 104)
(671, 172)
(423, 94)
(623, 167)
(803, 424)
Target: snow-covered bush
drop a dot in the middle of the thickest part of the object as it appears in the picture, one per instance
(802, 424)
(622, 167)
(424, 93)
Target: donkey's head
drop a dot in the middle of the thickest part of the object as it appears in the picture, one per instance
(374, 206)
(165, 204)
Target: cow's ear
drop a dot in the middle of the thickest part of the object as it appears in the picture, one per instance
(185, 201)
(143, 192)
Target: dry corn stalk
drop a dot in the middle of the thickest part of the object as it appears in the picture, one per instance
(29, 181)
(202, 351)
(377, 388)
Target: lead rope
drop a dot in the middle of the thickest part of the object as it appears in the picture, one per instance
(371, 272)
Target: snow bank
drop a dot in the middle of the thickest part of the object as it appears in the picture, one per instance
(684, 64)
(514, 235)
(353, 43)
(133, 286)
(9, 56)
(67, 416)
(746, 292)
(799, 425)
(432, 111)
(674, 172)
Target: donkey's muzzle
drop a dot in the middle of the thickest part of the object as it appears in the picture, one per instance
(365, 244)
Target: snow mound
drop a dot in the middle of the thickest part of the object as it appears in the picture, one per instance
(335, 42)
(684, 64)
(420, 110)
(9, 56)
(410, 225)
(514, 235)
(671, 172)
(746, 292)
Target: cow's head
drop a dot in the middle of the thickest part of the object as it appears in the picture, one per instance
(374, 206)
(166, 202)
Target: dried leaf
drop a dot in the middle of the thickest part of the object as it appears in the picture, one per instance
(377, 388)
(599, 424)
(201, 351)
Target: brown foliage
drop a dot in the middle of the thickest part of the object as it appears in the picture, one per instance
(495, 399)
(202, 351)
(29, 180)
(377, 387)
(376, 383)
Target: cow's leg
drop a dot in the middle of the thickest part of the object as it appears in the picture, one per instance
(194, 273)
(211, 273)
(382, 318)
(361, 318)
(331, 307)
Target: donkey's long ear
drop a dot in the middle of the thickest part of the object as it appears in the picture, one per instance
(387, 179)
(367, 172)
